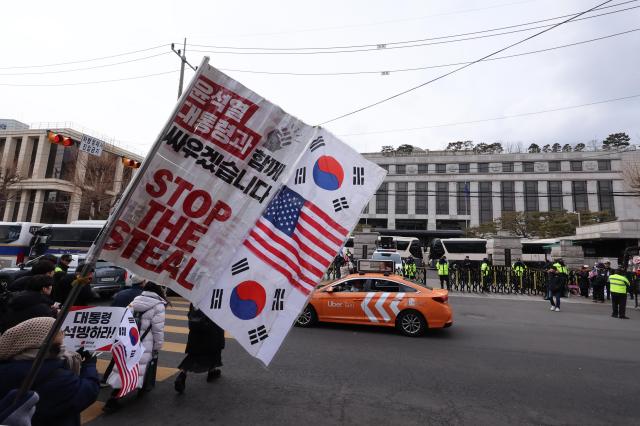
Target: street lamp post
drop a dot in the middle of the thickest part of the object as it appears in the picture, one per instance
(578, 213)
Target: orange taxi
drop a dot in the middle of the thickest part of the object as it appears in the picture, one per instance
(379, 298)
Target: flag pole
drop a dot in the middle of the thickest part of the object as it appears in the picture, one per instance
(96, 247)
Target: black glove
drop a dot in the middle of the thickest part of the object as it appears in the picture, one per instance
(87, 357)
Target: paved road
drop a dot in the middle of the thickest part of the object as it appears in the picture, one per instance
(502, 362)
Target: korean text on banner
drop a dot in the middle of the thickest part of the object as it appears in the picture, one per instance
(220, 161)
(269, 280)
(93, 328)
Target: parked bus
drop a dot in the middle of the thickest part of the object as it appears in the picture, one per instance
(456, 249)
(536, 252)
(14, 241)
(74, 238)
(404, 246)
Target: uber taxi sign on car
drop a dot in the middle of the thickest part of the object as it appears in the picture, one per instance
(376, 296)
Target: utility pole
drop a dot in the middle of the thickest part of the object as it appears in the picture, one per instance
(183, 59)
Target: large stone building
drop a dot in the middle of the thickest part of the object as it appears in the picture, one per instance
(49, 183)
(453, 190)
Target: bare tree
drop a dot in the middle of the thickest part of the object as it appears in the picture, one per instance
(594, 145)
(96, 185)
(9, 177)
(631, 173)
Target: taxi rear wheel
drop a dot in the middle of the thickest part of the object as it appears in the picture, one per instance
(308, 317)
(411, 323)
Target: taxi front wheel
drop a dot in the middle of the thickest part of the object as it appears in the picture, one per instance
(411, 323)
(308, 317)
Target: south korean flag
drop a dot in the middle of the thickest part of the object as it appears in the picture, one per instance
(282, 260)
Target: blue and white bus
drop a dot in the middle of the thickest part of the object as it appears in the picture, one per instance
(15, 238)
(74, 238)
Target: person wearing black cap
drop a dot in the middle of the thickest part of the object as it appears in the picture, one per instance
(63, 287)
(599, 282)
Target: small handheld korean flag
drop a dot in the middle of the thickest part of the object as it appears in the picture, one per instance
(271, 277)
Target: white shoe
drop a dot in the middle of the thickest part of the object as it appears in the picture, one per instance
(557, 309)
(553, 308)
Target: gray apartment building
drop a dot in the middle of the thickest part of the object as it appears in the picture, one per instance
(436, 190)
(41, 181)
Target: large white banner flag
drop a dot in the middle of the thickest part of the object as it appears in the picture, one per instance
(215, 167)
(211, 195)
(261, 292)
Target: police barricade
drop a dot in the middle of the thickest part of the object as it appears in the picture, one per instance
(498, 279)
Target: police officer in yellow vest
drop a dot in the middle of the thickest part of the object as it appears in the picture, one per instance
(619, 285)
(561, 267)
(410, 268)
(443, 271)
(518, 270)
(63, 263)
(485, 271)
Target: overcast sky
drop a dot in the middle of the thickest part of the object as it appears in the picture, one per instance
(37, 33)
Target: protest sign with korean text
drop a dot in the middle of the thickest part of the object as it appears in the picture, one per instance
(219, 162)
(93, 328)
(266, 285)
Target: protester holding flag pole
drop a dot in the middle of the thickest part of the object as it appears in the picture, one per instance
(93, 255)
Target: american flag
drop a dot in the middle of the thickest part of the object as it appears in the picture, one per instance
(128, 377)
(296, 238)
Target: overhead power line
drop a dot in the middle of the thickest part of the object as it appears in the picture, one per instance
(394, 45)
(504, 117)
(82, 83)
(385, 71)
(462, 67)
(86, 60)
(144, 58)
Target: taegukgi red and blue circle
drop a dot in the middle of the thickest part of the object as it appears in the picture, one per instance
(247, 300)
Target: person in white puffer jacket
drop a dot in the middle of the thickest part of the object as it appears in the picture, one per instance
(151, 304)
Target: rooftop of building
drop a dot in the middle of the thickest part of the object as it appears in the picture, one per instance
(9, 128)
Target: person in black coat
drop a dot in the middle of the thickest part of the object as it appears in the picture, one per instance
(41, 267)
(64, 284)
(123, 298)
(63, 393)
(204, 349)
(556, 287)
(31, 303)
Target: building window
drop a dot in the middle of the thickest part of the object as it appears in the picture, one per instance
(531, 196)
(16, 153)
(576, 166)
(508, 196)
(554, 189)
(422, 197)
(463, 168)
(605, 197)
(442, 197)
(483, 167)
(485, 201)
(401, 169)
(16, 206)
(366, 209)
(402, 197)
(527, 166)
(382, 199)
(554, 166)
(62, 162)
(463, 197)
(604, 165)
(32, 201)
(507, 167)
(55, 207)
(441, 168)
(580, 200)
(2, 142)
(423, 169)
(384, 166)
(32, 160)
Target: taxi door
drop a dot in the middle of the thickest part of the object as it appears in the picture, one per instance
(342, 302)
(379, 305)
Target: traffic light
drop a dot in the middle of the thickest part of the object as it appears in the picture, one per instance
(59, 139)
(128, 162)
